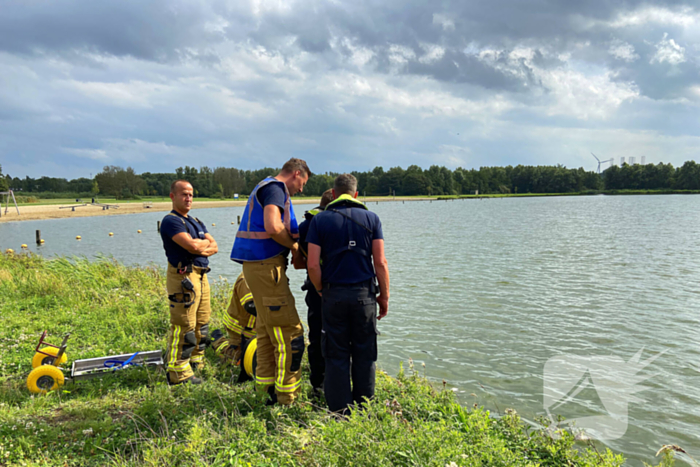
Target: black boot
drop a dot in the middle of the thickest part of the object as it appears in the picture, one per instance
(273, 396)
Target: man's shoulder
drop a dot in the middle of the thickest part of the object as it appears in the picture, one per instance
(171, 220)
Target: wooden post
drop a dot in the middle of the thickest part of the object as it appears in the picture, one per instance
(158, 226)
(239, 219)
(38, 237)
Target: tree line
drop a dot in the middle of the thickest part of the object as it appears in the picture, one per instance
(224, 182)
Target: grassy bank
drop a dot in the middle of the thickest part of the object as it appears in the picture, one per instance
(134, 418)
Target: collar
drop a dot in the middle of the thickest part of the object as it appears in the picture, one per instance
(347, 198)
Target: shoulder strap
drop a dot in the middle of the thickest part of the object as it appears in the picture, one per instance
(352, 244)
(179, 217)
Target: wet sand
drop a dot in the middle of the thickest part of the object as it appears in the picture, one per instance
(27, 213)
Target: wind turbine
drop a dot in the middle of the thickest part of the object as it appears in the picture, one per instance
(601, 162)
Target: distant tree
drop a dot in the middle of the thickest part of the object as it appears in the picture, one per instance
(120, 183)
(4, 183)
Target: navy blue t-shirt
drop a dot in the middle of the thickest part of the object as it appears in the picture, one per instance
(272, 193)
(173, 225)
(329, 230)
(304, 230)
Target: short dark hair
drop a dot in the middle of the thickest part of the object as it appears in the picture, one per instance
(173, 185)
(326, 198)
(345, 184)
(294, 164)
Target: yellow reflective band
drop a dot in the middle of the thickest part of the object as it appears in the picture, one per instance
(249, 333)
(179, 368)
(174, 346)
(222, 347)
(246, 297)
(197, 358)
(282, 355)
(251, 322)
(288, 388)
(231, 323)
(260, 380)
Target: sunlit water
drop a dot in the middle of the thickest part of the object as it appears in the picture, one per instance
(484, 293)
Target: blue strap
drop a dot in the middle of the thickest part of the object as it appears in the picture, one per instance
(119, 364)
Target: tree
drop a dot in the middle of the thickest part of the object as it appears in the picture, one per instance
(4, 184)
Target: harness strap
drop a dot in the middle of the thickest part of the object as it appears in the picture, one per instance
(352, 244)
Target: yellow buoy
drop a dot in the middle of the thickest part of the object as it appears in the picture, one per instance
(24, 245)
(9, 251)
(41, 241)
(78, 237)
(138, 231)
(232, 223)
(213, 225)
(111, 234)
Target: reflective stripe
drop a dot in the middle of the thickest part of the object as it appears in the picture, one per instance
(197, 358)
(249, 333)
(220, 349)
(260, 380)
(174, 346)
(246, 297)
(232, 324)
(251, 322)
(282, 356)
(179, 368)
(253, 235)
(289, 387)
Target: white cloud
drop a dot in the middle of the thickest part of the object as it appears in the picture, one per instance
(684, 17)
(622, 51)
(400, 55)
(444, 21)
(668, 51)
(94, 154)
(432, 53)
(131, 94)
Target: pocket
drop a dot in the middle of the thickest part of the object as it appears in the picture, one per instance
(280, 311)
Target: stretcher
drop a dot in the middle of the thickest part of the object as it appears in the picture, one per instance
(47, 374)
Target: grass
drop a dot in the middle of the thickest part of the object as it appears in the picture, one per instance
(134, 418)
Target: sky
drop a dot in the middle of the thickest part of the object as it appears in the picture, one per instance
(345, 85)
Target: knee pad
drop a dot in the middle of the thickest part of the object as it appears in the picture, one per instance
(189, 344)
(297, 353)
(204, 339)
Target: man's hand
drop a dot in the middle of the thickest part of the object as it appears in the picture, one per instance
(192, 245)
(383, 302)
(298, 258)
(212, 248)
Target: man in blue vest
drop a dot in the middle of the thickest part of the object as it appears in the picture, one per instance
(187, 246)
(268, 232)
(348, 240)
(317, 364)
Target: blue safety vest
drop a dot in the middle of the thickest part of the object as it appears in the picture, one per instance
(252, 242)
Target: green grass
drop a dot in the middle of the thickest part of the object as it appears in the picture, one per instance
(133, 418)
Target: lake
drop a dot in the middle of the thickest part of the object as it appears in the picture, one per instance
(533, 304)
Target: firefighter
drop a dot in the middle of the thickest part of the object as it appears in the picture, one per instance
(349, 240)
(317, 364)
(187, 245)
(239, 322)
(268, 233)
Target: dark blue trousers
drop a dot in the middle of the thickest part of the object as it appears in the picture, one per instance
(315, 319)
(349, 342)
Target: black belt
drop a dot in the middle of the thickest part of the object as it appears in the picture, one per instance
(366, 283)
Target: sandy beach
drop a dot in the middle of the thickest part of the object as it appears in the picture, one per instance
(39, 212)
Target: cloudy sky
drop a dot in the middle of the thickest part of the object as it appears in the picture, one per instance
(346, 85)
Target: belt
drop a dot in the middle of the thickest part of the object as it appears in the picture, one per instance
(366, 283)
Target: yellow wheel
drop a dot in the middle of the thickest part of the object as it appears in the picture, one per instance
(250, 357)
(41, 359)
(45, 378)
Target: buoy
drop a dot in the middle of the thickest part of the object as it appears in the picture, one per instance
(138, 231)
(24, 245)
(78, 237)
(213, 225)
(232, 223)
(42, 241)
(111, 234)
(9, 251)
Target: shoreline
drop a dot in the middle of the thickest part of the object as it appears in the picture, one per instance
(53, 211)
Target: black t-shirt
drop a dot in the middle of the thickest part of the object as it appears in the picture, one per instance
(329, 230)
(173, 225)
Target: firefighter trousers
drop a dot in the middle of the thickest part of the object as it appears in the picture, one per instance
(317, 364)
(280, 333)
(190, 311)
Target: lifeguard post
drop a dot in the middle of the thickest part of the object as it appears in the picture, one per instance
(7, 195)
